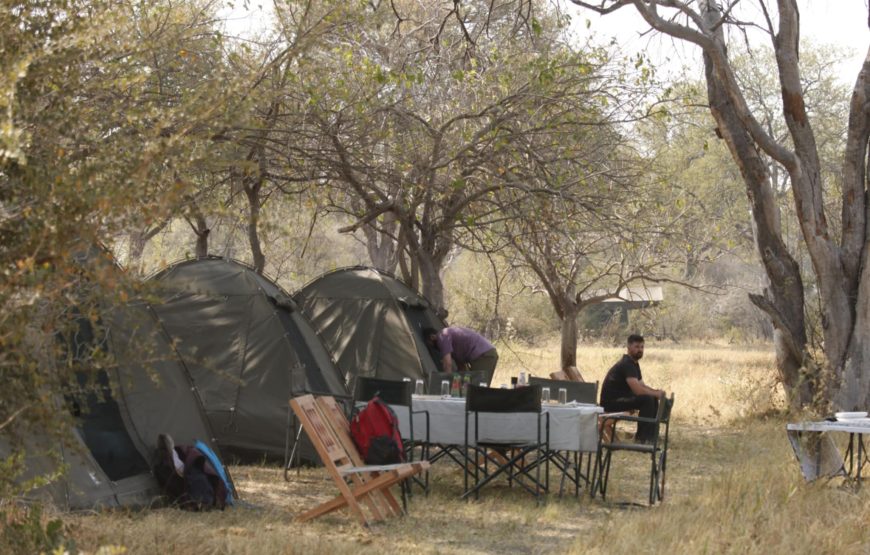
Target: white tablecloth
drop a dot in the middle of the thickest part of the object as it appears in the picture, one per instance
(572, 427)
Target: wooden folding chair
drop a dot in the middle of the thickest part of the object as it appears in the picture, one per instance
(329, 432)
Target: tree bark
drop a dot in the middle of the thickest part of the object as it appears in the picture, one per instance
(254, 204)
(200, 228)
(783, 300)
(568, 350)
(138, 241)
(431, 282)
(383, 249)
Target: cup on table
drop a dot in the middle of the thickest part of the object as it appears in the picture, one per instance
(545, 394)
(445, 388)
(418, 390)
(563, 395)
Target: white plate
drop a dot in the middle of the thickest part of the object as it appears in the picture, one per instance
(848, 415)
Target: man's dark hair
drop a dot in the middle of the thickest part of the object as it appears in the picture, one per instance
(635, 338)
(429, 331)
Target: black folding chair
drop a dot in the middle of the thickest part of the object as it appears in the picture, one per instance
(581, 392)
(657, 449)
(509, 457)
(394, 392)
(571, 464)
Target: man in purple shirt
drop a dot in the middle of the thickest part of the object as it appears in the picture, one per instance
(463, 349)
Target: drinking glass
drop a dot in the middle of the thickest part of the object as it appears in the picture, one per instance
(419, 389)
(563, 395)
(445, 388)
(545, 394)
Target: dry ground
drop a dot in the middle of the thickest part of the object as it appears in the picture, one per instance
(733, 487)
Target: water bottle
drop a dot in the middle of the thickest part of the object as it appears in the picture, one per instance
(455, 388)
(522, 381)
(466, 381)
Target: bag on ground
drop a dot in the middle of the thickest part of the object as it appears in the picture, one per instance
(188, 476)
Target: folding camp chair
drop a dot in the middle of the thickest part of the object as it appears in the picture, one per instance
(657, 449)
(398, 393)
(571, 464)
(581, 392)
(509, 457)
(327, 428)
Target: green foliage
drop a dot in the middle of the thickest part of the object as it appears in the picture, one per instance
(106, 106)
(28, 530)
(501, 306)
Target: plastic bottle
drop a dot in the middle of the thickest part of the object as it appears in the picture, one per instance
(466, 381)
(455, 386)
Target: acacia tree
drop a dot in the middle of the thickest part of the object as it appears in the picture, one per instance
(599, 229)
(418, 130)
(841, 277)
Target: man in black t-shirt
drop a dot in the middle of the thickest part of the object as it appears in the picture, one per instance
(624, 390)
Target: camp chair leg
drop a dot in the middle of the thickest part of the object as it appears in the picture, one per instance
(663, 470)
(595, 474)
(349, 497)
(602, 475)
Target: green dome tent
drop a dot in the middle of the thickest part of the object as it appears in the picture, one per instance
(371, 323)
(248, 349)
(113, 440)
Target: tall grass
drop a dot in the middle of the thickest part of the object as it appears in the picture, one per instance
(733, 487)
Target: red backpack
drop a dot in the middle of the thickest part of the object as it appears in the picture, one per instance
(375, 431)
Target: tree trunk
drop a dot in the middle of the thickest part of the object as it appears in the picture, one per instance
(383, 249)
(138, 241)
(853, 390)
(136, 250)
(200, 228)
(568, 356)
(202, 232)
(253, 194)
(798, 389)
(783, 300)
(433, 286)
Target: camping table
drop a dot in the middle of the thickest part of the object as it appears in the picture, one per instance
(573, 427)
(856, 451)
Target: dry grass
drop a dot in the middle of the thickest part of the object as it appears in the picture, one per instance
(712, 383)
(733, 487)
